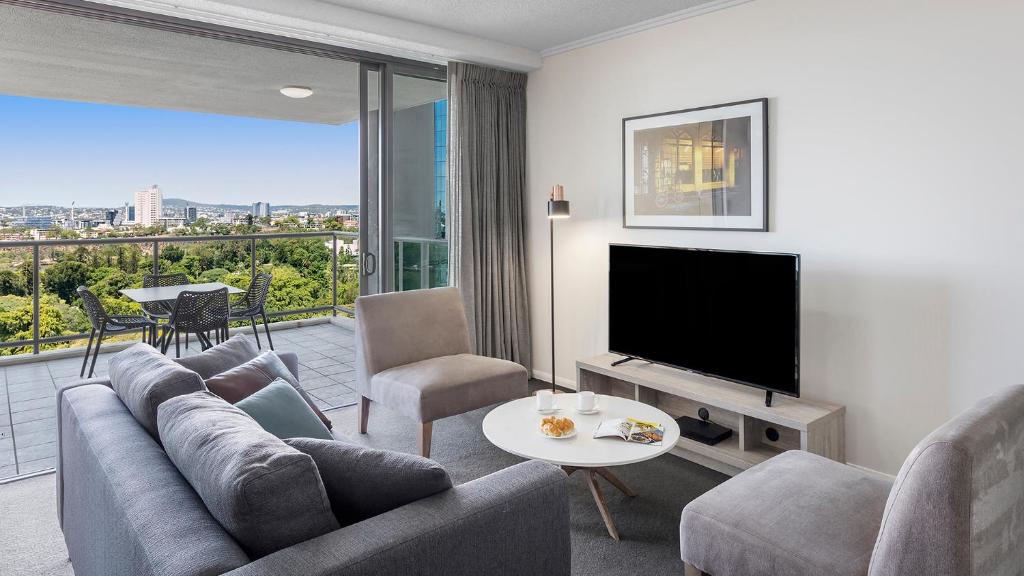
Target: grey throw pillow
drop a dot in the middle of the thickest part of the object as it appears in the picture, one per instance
(238, 349)
(280, 410)
(144, 378)
(266, 494)
(242, 381)
(364, 482)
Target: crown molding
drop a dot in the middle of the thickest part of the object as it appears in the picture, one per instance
(684, 14)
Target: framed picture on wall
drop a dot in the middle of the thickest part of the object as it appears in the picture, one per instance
(697, 169)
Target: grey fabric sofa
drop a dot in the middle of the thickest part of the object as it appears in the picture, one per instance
(126, 510)
(413, 355)
(956, 508)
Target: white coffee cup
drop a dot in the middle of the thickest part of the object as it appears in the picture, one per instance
(545, 400)
(586, 401)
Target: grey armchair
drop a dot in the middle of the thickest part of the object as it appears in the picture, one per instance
(413, 356)
(956, 508)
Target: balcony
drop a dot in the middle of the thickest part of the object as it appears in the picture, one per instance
(28, 426)
(42, 324)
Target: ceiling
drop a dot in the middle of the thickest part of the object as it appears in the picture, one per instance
(51, 55)
(540, 25)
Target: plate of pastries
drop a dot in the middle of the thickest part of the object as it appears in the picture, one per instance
(557, 427)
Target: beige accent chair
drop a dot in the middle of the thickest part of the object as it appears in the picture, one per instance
(956, 509)
(413, 355)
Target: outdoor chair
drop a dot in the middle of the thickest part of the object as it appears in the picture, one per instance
(199, 313)
(161, 310)
(252, 304)
(106, 324)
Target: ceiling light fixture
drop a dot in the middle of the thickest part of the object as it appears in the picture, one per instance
(297, 91)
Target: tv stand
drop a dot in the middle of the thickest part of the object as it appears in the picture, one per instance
(762, 426)
(623, 361)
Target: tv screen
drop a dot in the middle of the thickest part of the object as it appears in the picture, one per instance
(731, 315)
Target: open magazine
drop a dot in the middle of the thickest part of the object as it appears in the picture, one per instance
(631, 430)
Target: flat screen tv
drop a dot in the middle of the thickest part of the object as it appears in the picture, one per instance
(730, 315)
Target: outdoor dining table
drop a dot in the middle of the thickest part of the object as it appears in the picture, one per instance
(162, 293)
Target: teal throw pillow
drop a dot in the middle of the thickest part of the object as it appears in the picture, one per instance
(280, 410)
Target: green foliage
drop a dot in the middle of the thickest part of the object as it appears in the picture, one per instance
(12, 283)
(214, 275)
(64, 278)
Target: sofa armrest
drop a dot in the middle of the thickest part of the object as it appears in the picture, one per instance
(514, 521)
(291, 360)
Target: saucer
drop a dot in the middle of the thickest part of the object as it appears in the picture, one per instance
(548, 411)
(593, 410)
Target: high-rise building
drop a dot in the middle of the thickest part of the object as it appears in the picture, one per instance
(111, 216)
(149, 206)
(191, 214)
(260, 209)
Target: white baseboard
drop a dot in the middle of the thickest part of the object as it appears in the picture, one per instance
(562, 381)
(888, 477)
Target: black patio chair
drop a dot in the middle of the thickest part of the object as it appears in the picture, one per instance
(106, 324)
(199, 313)
(252, 304)
(161, 310)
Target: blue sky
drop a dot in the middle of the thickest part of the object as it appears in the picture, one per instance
(56, 152)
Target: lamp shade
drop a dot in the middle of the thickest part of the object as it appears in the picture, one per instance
(558, 208)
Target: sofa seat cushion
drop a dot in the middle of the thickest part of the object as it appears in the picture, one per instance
(143, 378)
(365, 482)
(795, 514)
(266, 494)
(448, 385)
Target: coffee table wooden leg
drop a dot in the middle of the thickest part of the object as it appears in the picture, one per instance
(615, 481)
(595, 490)
(569, 470)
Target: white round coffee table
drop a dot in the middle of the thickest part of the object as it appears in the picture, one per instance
(515, 428)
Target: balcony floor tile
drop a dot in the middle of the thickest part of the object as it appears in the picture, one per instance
(28, 391)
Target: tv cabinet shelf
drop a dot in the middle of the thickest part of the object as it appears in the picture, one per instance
(800, 424)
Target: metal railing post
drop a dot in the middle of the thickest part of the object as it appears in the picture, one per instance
(252, 256)
(156, 257)
(424, 265)
(334, 274)
(35, 298)
(400, 268)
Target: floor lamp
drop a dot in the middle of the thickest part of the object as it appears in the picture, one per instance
(558, 209)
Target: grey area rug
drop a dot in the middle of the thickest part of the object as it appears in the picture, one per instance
(31, 542)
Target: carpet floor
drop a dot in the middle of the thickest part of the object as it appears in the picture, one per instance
(31, 542)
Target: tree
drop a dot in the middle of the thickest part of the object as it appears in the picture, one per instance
(12, 283)
(64, 278)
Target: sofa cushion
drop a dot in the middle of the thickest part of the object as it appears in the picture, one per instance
(280, 410)
(144, 378)
(266, 494)
(363, 482)
(448, 385)
(237, 350)
(795, 514)
(240, 381)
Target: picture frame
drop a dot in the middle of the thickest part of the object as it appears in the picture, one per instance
(697, 169)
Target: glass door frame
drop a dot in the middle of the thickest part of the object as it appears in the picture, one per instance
(377, 269)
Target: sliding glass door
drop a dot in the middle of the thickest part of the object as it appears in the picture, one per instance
(404, 204)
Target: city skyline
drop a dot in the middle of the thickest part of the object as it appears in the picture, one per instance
(58, 152)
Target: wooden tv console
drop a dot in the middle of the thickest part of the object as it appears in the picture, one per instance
(817, 427)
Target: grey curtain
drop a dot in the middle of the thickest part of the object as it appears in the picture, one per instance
(486, 196)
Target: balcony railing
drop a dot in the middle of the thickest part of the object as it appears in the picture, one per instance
(259, 248)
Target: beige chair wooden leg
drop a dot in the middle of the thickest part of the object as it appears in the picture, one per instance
(426, 429)
(691, 570)
(364, 413)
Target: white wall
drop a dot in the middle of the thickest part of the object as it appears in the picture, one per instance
(896, 150)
